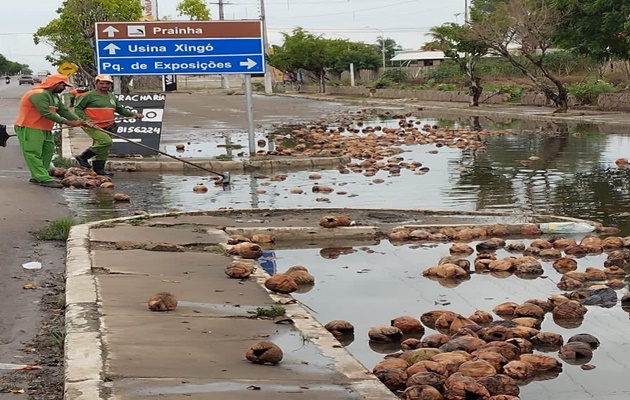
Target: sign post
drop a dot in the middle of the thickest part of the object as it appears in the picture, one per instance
(181, 48)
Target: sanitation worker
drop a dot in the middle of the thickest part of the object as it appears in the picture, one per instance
(39, 109)
(76, 93)
(99, 106)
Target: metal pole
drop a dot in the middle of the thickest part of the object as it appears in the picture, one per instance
(225, 82)
(157, 14)
(250, 114)
(465, 11)
(268, 87)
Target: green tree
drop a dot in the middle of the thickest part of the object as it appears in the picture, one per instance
(522, 31)
(71, 35)
(196, 10)
(459, 44)
(598, 28)
(304, 51)
(362, 55)
(8, 67)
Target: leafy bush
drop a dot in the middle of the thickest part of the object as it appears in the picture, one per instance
(587, 92)
(446, 71)
(395, 75)
(383, 83)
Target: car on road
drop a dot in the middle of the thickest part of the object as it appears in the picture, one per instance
(37, 79)
(26, 80)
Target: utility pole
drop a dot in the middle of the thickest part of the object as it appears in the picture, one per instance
(465, 11)
(225, 82)
(268, 87)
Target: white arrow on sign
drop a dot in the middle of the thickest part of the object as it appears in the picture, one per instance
(111, 48)
(249, 63)
(111, 31)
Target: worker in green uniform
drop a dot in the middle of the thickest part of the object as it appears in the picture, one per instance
(99, 106)
(39, 109)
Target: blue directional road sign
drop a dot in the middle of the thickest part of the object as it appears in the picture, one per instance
(180, 48)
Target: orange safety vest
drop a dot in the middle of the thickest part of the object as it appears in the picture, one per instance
(29, 117)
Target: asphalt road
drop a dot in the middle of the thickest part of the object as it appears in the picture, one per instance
(24, 208)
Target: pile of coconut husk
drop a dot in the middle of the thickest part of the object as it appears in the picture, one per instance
(561, 252)
(475, 356)
(81, 178)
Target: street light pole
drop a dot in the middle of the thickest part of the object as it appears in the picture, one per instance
(382, 44)
(267, 78)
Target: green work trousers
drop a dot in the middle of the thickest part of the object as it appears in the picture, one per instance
(101, 143)
(38, 149)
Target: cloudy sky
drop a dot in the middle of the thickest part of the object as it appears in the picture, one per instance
(405, 21)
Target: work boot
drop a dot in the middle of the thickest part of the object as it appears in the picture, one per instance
(51, 184)
(83, 158)
(99, 167)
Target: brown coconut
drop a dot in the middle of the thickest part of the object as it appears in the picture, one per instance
(414, 356)
(334, 221)
(264, 352)
(481, 317)
(162, 301)
(429, 317)
(565, 264)
(500, 384)
(529, 310)
(461, 248)
(428, 366)
(519, 370)
(505, 309)
(494, 358)
(121, 197)
(524, 345)
(388, 363)
(339, 327)
(507, 350)
(495, 333)
(464, 390)
(547, 341)
(477, 368)
(446, 271)
(200, 188)
(301, 277)
(246, 250)
(394, 379)
(544, 304)
(465, 343)
(576, 353)
(462, 262)
(239, 269)
(541, 362)
(281, 283)
(426, 378)
(385, 334)
(408, 325)
(569, 310)
(410, 344)
(589, 339)
(422, 392)
(435, 340)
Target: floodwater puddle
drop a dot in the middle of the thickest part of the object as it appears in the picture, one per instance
(571, 173)
(387, 280)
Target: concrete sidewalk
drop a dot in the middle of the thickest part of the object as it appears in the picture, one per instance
(117, 349)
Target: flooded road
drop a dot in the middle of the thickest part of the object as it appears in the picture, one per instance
(572, 174)
(532, 168)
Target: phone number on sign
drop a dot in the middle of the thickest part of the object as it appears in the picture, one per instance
(138, 129)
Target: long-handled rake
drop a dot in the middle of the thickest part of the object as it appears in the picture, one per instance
(225, 176)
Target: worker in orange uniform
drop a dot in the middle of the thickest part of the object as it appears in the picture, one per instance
(76, 93)
(99, 106)
(39, 109)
